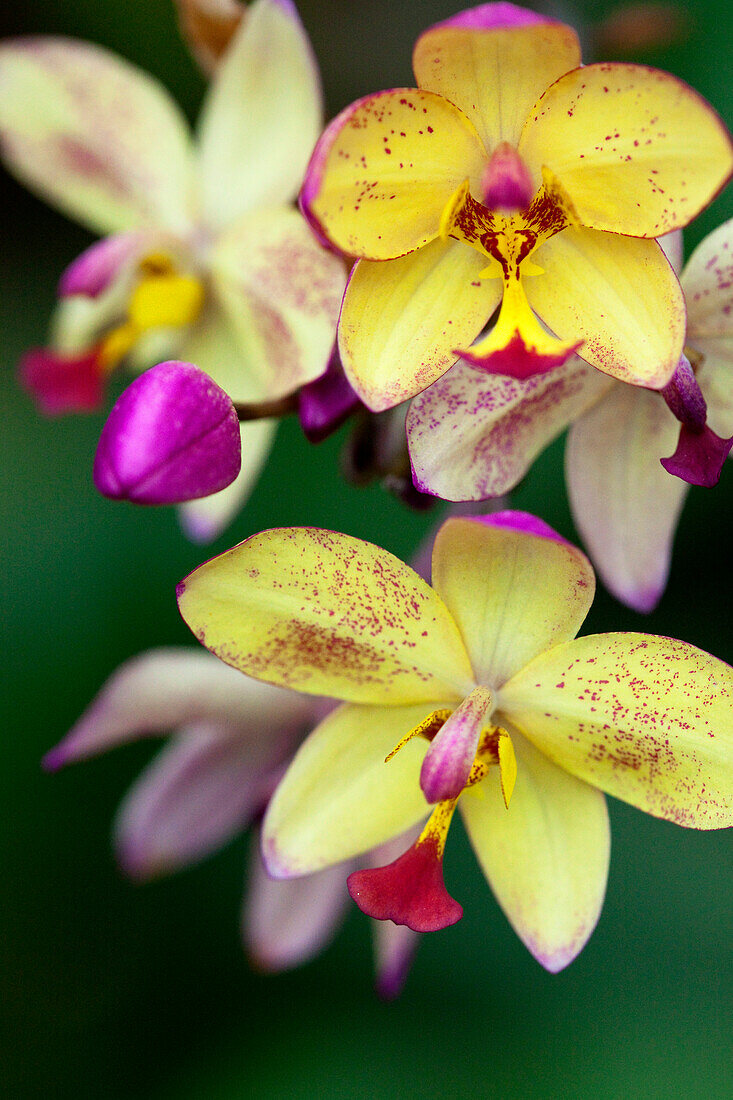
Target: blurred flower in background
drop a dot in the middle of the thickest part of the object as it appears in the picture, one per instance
(232, 739)
(205, 258)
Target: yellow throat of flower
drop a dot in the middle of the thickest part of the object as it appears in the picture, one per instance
(162, 298)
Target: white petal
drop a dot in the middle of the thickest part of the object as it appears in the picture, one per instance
(262, 115)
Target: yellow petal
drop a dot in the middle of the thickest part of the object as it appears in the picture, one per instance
(646, 719)
(327, 614)
(338, 797)
(401, 321)
(513, 593)
(385, 168)
(625, 505)
(494, 75)
(95, 136)
(546, 857)
(617, 294)
(635, 149)
(262, 115)
(507, 767)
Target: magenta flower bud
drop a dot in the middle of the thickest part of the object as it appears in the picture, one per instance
(172, 436)
(324, 404)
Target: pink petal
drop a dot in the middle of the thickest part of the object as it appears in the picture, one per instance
(164, 689)
(493, 16)
(286, 922)
(200, 791)
(172, 436)
(699, 457)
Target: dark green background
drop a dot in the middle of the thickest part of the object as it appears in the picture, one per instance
(112, 990)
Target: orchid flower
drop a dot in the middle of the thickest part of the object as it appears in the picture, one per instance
(205, 260)
(470, 693)
(232, 738)
(512, 176)
(473, 436)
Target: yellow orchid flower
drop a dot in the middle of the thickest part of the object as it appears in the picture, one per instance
(471, 693)
(512, 175)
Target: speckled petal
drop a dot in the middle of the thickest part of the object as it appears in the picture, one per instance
(634, 149)
(617, 294)
(285, 923)
(402, 321)
(339, 798)
(327, 614)
(204, 520)
(261, 117)
(514, 590)
(625, 505)
(494, 62)
(546, 857)
(384, 170)
(646, 719)
(707, 281)
(162, 689)
(473, 436)
(281, 292)
(94, 135)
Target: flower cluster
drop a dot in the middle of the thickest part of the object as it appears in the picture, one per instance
(478, 263)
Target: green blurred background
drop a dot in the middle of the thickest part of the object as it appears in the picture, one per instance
(113, 990)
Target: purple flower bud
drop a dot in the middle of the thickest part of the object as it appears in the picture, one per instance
(324, 404)
(172, 436)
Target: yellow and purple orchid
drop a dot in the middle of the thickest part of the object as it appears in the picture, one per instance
(205, 258)
(475, 692)
(512, 176)
(472, 436)
(232, 739)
